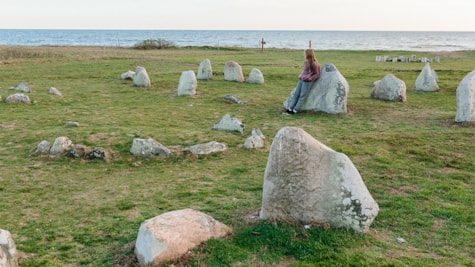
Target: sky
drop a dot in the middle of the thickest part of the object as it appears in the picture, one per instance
(363, 15)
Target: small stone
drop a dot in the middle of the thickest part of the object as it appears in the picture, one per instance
(400, 240)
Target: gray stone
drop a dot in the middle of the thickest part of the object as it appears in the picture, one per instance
(128, 75)
(187, 84)
(309, 183)
(141, 78)
(465, 96)
(43, 147)
(207, 148)
(255, 76)
(233, 72)
(427, 80)
(18, 98)
(8, 252)
(98, 153)
(228, 123)
(148, 147)
(171, 235)
(328, 94)
(234, 99)
(389, 88)
(61, 146)
(205, 71)
(255, 140)
(72, 124)
(22, 87)
(55, 91)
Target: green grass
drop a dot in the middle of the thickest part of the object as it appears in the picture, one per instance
(417, 163)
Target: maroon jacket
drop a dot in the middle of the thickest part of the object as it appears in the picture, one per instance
(310, 74)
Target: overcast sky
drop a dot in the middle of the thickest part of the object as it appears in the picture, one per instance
(385, 15)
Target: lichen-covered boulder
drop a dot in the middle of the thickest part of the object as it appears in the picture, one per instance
(205, 70)
(389, 88)
(61, 146)
(187, 84)
(427, 80)
(465, 95)
(141, 78)
(233, 72)
(255, 76)
(309, 183)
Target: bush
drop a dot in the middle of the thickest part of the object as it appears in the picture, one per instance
(154, 44)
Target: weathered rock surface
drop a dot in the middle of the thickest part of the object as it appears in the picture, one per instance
(148, 147)
(8, 252)
(187, 84)
(170, 235)
(205, 70)
(255, 140)
(43, 147)
(18, 99)
(234, 99)
(22, 87)
(54, 91)
(128, 75)
(61, 146)
(389, 88)
(308, 182)
(328, 94)
(465, 95)
(255, 76)
(233, 72)
(427, 80)
(141, 78)
(228, 123)
(207, 148)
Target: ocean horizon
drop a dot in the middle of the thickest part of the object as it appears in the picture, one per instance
(431, 41)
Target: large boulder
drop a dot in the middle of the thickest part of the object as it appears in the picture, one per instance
(61, 146)
(205, 71)
(389, 88)
(255, 76)
(228, 123)
(427, 80)
(233, 72)
(8, 252)
(18, 98)
(328, 94)
(171, 235)
(309, 183)
(188, 83)
(141, 78)
(466, 99)
(149, 147)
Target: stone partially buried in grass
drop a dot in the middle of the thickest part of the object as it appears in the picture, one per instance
(18, 98)
(148, 147)
(228, 123)
(309, 183)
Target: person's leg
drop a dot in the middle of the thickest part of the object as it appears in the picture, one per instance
(295, 97)
(305, 88)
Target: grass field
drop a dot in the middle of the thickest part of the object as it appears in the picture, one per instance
(418, 164)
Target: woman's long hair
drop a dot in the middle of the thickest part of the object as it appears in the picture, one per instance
(310, 57)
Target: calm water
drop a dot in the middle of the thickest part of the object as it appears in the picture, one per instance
(321, 40)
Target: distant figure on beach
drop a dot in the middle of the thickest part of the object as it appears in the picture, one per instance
(310, 73)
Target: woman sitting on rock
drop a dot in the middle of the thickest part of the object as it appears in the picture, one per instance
(309, 74)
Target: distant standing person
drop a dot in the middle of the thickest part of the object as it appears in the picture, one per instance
(309, 74)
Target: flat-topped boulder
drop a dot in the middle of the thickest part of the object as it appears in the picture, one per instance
(389, 88)
(465, 95)
(427, 80)
(147, 148)
(328, 94)
(309, 183)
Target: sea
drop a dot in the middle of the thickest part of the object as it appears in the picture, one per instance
(319, 40)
